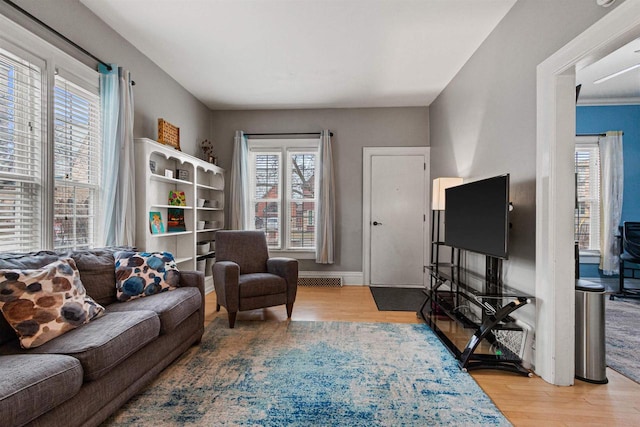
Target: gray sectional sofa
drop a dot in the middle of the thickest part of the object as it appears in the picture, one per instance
(84, 375)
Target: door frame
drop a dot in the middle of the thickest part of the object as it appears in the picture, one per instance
(367, 155)
(556, 111)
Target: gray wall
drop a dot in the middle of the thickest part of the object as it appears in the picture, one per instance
(156, 93)
(484, 122)
(353, 129)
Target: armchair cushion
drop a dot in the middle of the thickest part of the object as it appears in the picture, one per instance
(248, 249)
(260, 284)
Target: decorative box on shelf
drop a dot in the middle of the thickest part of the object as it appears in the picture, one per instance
(168, 134)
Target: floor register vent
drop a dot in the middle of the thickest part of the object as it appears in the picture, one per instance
(325, 282)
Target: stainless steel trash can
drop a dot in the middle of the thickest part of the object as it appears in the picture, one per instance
(591, 363)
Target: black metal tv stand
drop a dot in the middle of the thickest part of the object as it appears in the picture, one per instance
(462, 306)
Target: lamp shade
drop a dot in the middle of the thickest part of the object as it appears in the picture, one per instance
(437, 195)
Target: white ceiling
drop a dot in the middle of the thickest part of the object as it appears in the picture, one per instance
(263, 54)
(623, 89)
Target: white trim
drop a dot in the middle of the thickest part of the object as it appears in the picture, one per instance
(609, 102)
(555, 274)
(20, 36)
(208, 285)
(349, 278)
(301, 254)
(367, 154)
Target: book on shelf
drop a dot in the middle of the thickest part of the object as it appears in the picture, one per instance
(175, 222)
(155, 223)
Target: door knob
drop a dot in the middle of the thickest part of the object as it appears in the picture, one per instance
(377, 223)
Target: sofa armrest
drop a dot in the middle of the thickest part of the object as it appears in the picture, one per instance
(194, 279)
(226, 278)
(287, 268)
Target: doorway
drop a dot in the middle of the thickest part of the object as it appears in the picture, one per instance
(395, 195)
(555, 274)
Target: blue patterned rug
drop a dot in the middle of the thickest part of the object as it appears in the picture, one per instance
(622, 338)
(313, 374)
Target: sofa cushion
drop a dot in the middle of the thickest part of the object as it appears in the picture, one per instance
(140, 274)
(45, 303)
(97, 271)
(172, 307)
(260, 284)
(102, 344)
(32, 384)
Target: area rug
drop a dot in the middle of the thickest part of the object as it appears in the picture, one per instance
(622, 338)
(397, 299)
(313, 374)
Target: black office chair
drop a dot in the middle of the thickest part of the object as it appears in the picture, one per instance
(629, 254)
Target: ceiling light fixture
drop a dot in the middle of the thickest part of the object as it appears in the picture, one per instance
(605, 3)
(616, 74)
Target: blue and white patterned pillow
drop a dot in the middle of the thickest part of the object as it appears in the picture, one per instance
(140, 274)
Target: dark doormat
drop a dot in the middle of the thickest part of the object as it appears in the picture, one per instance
(397, 299)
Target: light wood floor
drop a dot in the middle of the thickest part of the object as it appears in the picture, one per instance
(524, 401)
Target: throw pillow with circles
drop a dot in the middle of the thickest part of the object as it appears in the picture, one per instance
(140, 274)
(44, 303)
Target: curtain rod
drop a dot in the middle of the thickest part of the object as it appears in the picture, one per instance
(57, 33)
(286, 134)
(594, 134)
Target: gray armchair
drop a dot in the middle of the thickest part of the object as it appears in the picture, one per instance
(245, 278)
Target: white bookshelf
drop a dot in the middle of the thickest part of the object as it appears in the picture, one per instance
(205, 181)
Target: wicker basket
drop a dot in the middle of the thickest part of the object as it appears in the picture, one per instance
(168, 134)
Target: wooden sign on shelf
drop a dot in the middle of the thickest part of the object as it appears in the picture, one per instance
(168, 134)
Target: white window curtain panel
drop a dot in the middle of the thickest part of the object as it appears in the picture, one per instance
(611, 192)
(239, 185)
(118, 173)
(326, 203)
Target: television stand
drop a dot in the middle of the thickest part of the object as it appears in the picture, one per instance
(471, 316)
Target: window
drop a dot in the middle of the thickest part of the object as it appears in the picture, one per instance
(20, 136)
(77, 153)
(587, 216)
(50, 178)
(283, 199)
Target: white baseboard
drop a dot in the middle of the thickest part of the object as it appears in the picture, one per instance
(349, 278)
(208, 284)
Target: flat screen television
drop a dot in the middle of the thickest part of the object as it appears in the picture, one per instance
(477, 216)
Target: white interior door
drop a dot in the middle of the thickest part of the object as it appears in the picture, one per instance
(397, 221)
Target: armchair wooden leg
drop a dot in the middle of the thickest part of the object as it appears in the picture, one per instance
(232, 319)
(289, 310)
(217, 307)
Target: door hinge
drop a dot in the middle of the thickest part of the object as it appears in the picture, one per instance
(425, 166)
(424, 218)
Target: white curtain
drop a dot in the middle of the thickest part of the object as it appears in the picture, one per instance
(118, 173)
(611, 192)
(325, 238)
(239, 186)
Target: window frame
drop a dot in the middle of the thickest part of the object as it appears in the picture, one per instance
(20, 41)
(591, 255)
(286, 148)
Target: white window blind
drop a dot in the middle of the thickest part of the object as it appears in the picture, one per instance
(21, 135)
(77, 160)
(587, 217)
(266, 182)
(301, 199)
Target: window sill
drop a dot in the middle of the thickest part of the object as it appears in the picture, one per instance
(589, 257)
(293, 254)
